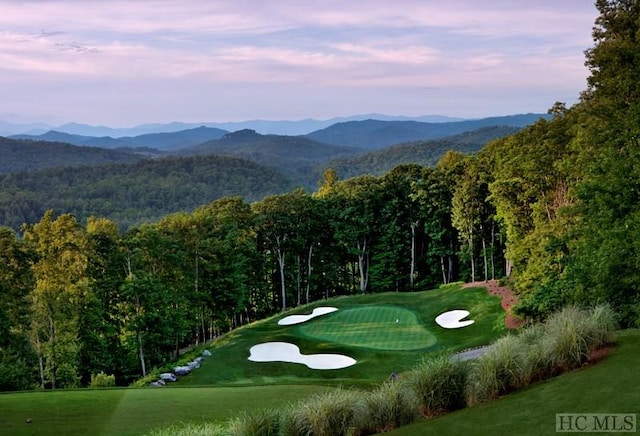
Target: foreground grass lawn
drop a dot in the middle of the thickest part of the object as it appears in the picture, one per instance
(134, 411)
(609, 386)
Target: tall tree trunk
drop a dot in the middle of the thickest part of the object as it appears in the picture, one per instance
(493, 250)
(141, 354)
(444, 272)
(309, 270)
(473, 263)
(299, 278)
(413, 254)
(280, 254)
(52, 357)
(38, 348)
(143, 367)
(363, 265)
(484, 257)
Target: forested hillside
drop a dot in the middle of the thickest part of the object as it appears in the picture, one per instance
(134, 193)
(158, 141)
(426, 153)
(294, 156)
(376, 134)
(555, 207)
(22, 155)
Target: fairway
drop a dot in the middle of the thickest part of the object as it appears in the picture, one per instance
(381, 327)
(121, 412)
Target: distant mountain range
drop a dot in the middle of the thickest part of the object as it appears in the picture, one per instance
(299, 127)
(157, 141)
(369, 134)
(376, 134)
(133, 179)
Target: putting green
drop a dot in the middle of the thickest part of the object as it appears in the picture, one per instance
(382, 327)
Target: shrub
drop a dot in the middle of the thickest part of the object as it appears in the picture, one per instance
(102, 380)
(206, 429)
(600, 325)
(535, 363)
(505, 366)
(264, 422)
(328, 414)
(439, 384)
(391, 405)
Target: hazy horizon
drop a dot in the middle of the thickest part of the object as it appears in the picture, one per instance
(123, 64)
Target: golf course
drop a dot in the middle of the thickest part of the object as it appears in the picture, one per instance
(381, 334)
(384, 334)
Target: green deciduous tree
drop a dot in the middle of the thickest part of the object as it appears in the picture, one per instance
(60, 292)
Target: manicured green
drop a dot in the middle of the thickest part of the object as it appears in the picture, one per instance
(135, 411)
(610, 386)
(379, 327)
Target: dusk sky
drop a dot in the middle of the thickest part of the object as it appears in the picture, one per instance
(123, 63)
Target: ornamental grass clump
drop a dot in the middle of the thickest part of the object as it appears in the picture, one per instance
(574, 333)
(205, 429)
(328, 414)
(263, 422)
(535, 364)
(391, 405)
(439, 384)
(497, 371)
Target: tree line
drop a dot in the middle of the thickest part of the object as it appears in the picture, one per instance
(81, 299)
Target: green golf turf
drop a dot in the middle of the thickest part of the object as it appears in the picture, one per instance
(380, 327)
(134, 411)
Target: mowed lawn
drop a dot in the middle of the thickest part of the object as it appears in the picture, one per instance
(380, 327)
(135, 411)
(364, 327)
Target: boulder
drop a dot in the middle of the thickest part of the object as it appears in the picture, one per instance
(168, 377)
(181, 370)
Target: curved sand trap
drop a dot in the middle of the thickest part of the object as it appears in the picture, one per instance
(297, 319)
(453, 319)
(286, 352)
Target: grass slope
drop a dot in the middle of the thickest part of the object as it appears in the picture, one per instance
(372, 344)
(610, 386)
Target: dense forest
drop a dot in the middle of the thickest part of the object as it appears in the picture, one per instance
(427, 152)
(134, 193)
(86, 181)
(554, 207)
(20, 155)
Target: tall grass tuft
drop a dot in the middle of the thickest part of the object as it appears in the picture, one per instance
(497, 371)
(439, 384)
(389, 406)
(206, 429)
(574, 333)
(535, 364)
(264, 422)
(600, 325)
(328, 414)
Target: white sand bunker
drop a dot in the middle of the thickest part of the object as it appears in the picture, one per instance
(297, 319)
(453, 319)
(286, 352)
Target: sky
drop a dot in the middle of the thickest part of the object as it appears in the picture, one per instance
(124, 63)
